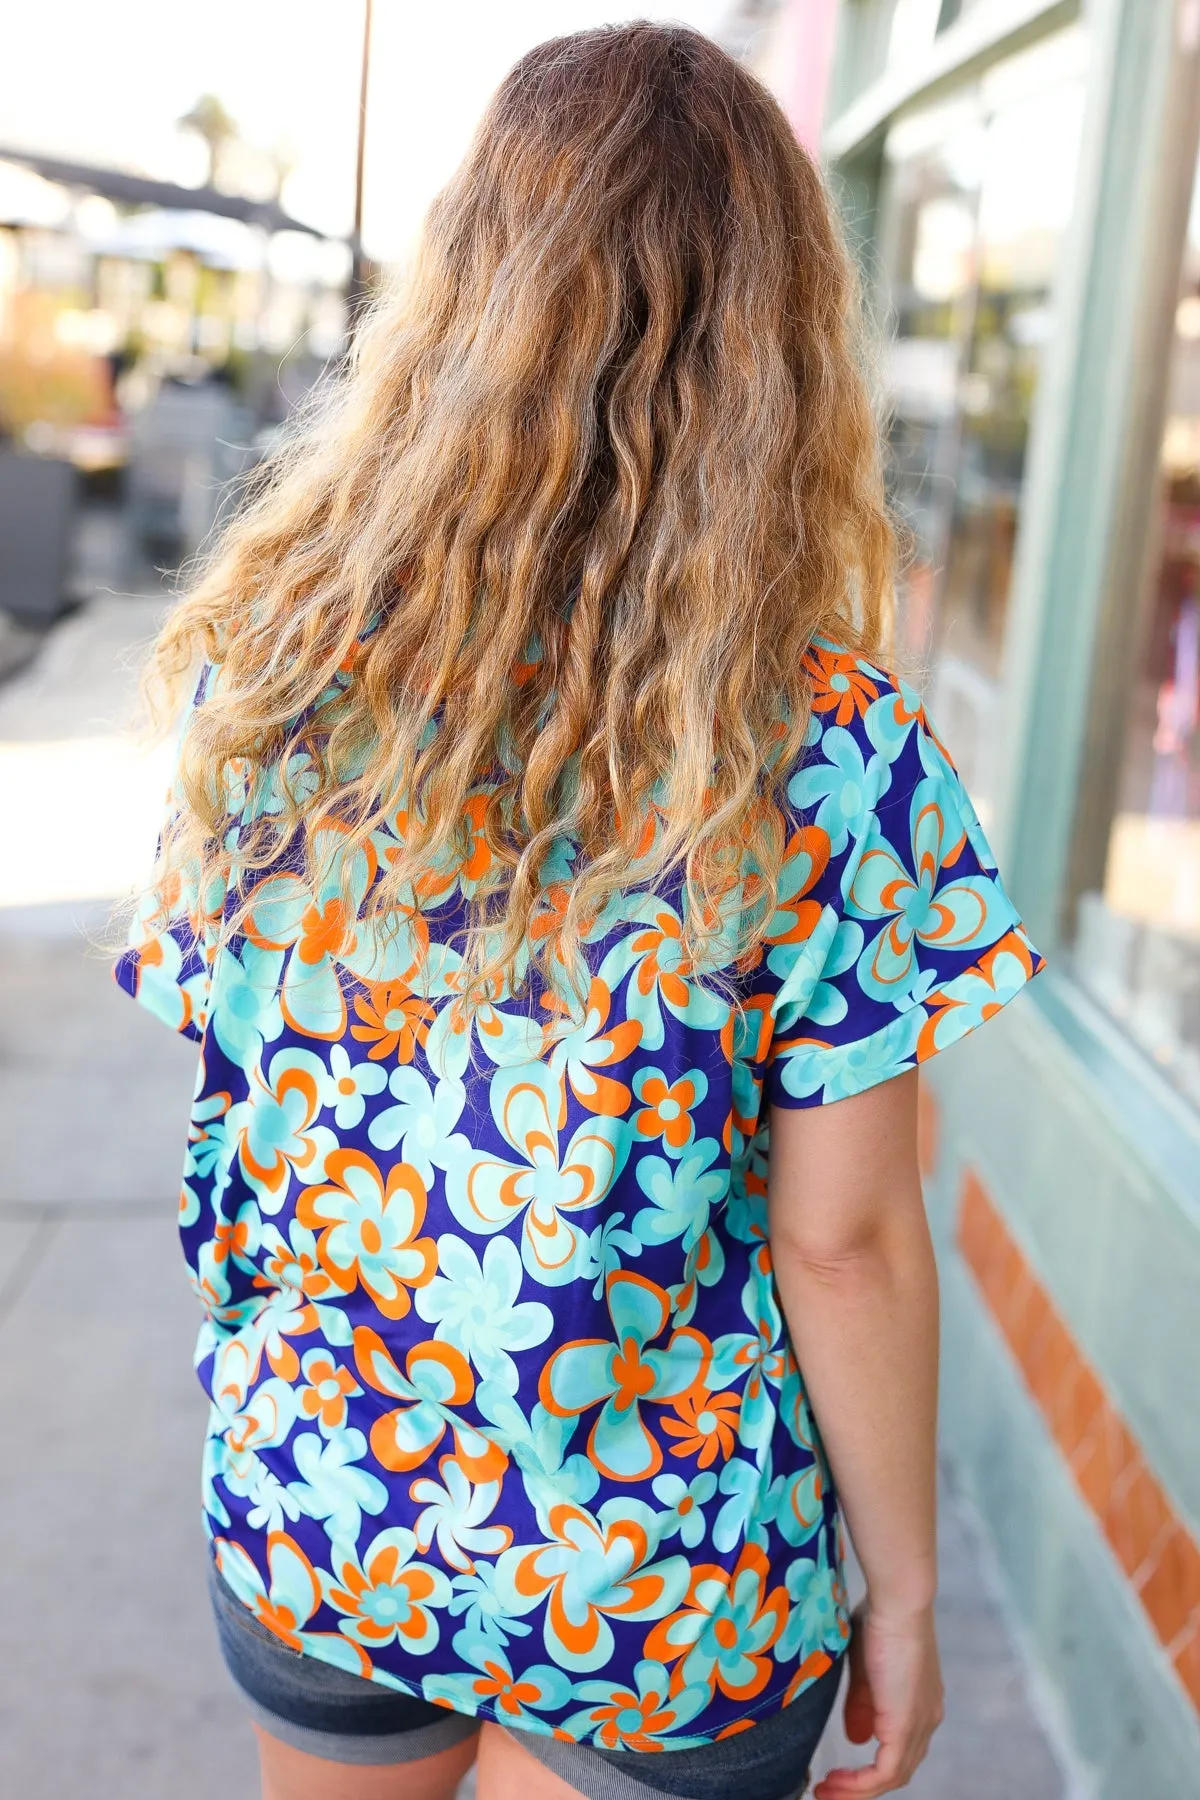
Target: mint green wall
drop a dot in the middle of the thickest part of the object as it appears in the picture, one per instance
(1116, 1245)
(1121, 1255)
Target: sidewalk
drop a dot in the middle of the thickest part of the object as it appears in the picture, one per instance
(113, 1689)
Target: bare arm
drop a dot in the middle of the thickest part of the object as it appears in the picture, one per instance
(856, 1277)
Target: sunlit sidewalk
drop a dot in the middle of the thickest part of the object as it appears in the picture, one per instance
(113, 1688)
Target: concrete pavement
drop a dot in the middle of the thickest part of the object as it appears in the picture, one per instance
(113, 1689)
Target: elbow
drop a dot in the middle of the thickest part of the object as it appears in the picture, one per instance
(885, 1250)
(836, 1265)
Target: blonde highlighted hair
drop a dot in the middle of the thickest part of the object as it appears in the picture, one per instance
(546, 562)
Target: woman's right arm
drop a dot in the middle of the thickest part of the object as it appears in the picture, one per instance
(856, 1277)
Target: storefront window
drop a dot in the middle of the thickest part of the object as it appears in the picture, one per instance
(1138, 936)
(978, 192)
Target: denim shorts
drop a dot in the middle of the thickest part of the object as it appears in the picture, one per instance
(348, 1719)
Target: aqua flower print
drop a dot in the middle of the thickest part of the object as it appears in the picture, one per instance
(474, 1305)
(284, 917)
(621, 1374)
(249, 1016)
(275, 1127)
(817, 1613)
(746, 1488)
(477, 1603)
(368, 1230)
(841, 786)
(510, 1694)
(455, 1511)
(331, 1488)
(435, 1385)
(324, 935)
(291, 1261)
(285, 1603)
(210, 1152)
(580, 1052)
(683, 1194)
(348, 1085)
(270, 1503)
(548, 1185)
(809, 1065)
(660, 974)
(540, 1447)
(912, 901)
(890, 720)
(824, 1002)
(263, 1421)
(422, 1121)
(503, 1038)
(593, 1568)
(170, 978)
(686, 1500)
(644, 1715)
(755, 1360)
(608, 1243)
(797, 911)
(723, 1633)
(798, 1504)
(387, 1596)
(958, 1006)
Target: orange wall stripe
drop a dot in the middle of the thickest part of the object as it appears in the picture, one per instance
(1156, 1550)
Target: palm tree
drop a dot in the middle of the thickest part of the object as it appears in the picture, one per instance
(210, 122)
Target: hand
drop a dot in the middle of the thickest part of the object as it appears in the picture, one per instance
(895, 1695)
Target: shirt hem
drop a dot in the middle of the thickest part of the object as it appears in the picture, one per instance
(773, 1702)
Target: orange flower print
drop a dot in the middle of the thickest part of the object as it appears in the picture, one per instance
(324, 1398)
(839, 686)
(275, 1127)
(583, 1052)
(706, 1426)
(466, 863)
(394, 1020)
(666, 1110)
(630, 1721)
(722, 1635)
(387, 1597)
(368, 1229)
(323, 931)
(231, 1237)
(501, 1686)
(663, 963)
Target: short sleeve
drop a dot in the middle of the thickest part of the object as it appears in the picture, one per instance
(167, 961)
(894, 936)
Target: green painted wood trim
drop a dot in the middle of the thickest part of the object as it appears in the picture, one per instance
(1093, 452)
(990, 30)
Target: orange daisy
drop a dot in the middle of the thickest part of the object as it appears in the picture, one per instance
(706, 1426)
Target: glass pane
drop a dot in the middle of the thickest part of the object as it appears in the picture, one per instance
(1137, 945)
(978, 197)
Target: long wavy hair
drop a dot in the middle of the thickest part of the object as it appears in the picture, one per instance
(543, 565)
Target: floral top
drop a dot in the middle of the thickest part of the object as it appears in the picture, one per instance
(504, 1410)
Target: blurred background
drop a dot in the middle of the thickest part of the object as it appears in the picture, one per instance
(192, 202)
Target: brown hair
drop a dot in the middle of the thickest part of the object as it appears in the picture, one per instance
(614, 413)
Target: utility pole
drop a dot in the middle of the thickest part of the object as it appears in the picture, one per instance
(356, 293)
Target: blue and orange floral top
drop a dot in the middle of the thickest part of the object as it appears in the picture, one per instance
(504, 1409)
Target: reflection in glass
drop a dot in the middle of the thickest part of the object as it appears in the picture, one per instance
(1137, 944)
(978, 194)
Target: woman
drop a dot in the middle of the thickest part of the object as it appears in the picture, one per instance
(563, 895)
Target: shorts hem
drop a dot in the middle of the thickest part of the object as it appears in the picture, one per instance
(388, 1750)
